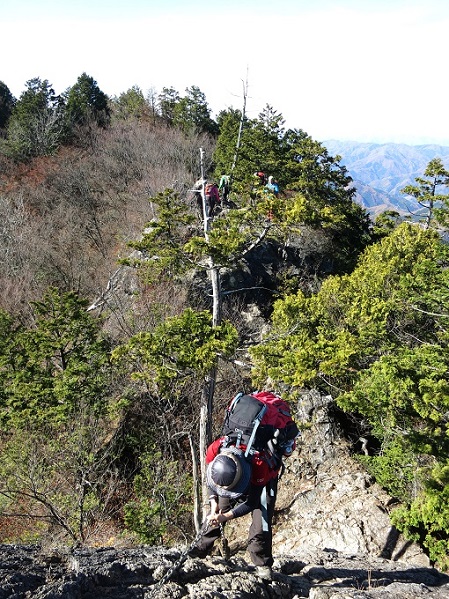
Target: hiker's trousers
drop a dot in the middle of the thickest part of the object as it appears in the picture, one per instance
(260, 535)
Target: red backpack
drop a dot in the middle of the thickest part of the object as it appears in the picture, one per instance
(262, 177)
(252, 420)
(211, 190)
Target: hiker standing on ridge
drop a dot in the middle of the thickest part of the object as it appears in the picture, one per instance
(242, 477)
(211, 196)
(258, 184)
(224, 187)
(272, 186)
(261, 178)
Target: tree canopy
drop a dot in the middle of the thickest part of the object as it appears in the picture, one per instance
(7, 102)
(433, 206)
(35, 126)
(90, 406)
(376, 339)
(55, 414)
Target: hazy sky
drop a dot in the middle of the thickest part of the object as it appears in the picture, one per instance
(366, 70)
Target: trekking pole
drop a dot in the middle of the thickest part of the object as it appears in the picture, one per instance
(178, 563)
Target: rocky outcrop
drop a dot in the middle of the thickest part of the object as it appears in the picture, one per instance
(328, 500)
(332, 540)
(108, 573)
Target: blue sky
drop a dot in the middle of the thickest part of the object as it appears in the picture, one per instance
(370, 70)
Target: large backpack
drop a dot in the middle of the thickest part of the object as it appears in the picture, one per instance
(211, 191)
(252, 420)
(262, 177)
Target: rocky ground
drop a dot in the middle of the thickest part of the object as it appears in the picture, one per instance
(27, 572)
(332, 539)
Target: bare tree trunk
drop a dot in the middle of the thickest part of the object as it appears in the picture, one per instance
(207, 395)
(429, 215)
(203, 447)
(239, 135)
(216, 295)
(206, 411)
(197, 511)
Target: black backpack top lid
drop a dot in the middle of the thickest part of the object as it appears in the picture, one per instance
(243, 418)
(244, 410)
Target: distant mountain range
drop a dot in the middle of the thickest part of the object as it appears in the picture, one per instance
(380, 171)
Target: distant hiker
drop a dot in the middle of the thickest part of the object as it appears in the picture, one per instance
(243, 472)
(261, 177)
(224, 187)
(260, 180)
(212, 196)
(272, 186)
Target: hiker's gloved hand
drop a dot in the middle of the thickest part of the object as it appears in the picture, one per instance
(224, 517)
(219, 518)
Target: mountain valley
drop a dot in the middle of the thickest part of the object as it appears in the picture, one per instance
(380, 171)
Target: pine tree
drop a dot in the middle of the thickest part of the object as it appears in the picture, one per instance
(86, 104)
(377, 339)
(192, 113)
(434, 205)
(168, 99)
(36, 124)
(56, 417)
(7, 102)
(131, 104)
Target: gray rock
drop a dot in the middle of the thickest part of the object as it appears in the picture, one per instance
(328, 501)
(332, 540)
(28, 572)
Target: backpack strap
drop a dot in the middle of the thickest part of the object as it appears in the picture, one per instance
(254, 431)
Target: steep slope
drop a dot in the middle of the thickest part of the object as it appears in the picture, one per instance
(376, 201)
(332, 539)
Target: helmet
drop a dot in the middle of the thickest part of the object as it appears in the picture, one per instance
(229, 473)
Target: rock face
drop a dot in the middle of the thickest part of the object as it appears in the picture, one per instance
(28, 573)
(332, 539)
(328, 501)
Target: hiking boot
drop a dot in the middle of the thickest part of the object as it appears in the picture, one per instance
(264, 572)
(225, 551)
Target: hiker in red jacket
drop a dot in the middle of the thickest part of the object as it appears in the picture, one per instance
(239, 485)
(211, 196)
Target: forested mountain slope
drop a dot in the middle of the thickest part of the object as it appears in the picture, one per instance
(131, 313)
(380, 171)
